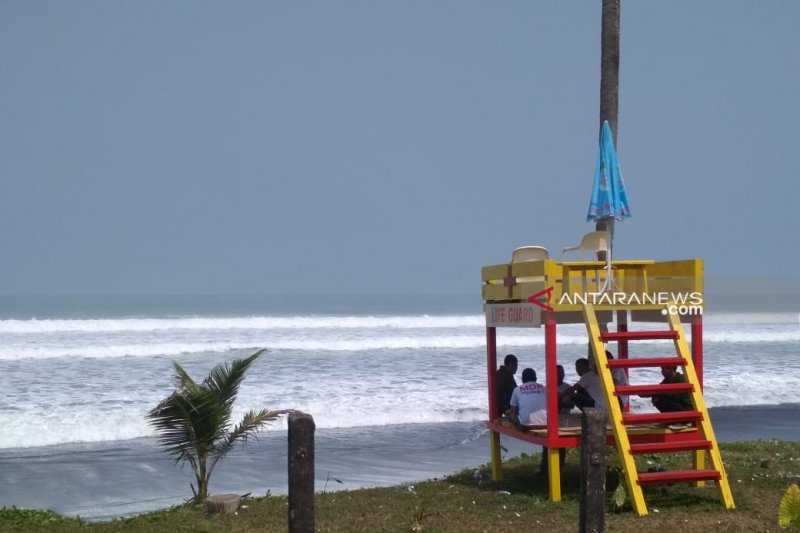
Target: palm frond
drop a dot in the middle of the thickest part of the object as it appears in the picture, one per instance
(248, 427)
(186, 423)
(172, 423)
(224, 380)
(182, 378)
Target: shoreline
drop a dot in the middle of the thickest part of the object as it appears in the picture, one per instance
(101, 481)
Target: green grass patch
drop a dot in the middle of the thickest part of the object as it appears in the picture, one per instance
(759, 473)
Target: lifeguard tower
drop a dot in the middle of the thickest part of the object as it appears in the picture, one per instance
(534, 291)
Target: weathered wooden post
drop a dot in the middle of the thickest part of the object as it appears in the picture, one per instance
(593, 471)
(301, 472)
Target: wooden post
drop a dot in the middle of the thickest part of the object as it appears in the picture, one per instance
(593, 471)
(301, 472)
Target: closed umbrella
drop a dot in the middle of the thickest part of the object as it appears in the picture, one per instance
(609, 197)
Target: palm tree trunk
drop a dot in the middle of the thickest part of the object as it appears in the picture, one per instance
(609, 65)
(609, 87)
(202, 480)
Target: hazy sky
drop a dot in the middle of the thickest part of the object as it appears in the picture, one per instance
(377, 146)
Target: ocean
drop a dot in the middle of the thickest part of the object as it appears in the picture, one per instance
(78, 374)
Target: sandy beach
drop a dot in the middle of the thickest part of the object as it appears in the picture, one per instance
(102, 481)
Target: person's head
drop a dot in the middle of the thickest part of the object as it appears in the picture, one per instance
(582, 366)
(528, 374)
(510, 363)
(668, 371)
(560, 374)
(608, 355)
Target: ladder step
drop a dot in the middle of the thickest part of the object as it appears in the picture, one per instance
(638, 335)
(677, 476)
(646, 362)
(686, 432)
(650, 390)
(666, 447)
(665, 418)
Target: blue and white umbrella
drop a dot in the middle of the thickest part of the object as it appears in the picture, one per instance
(609, 197)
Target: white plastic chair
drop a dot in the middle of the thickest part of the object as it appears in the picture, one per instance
(524, 254)
(529, 253)
(596, 241)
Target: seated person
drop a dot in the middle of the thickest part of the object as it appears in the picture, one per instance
(672, 402)
(529, 401)
(505, 384)
(565, 405)
(588, 391)
(620, 378)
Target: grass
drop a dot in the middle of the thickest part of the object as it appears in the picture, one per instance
(469, 501)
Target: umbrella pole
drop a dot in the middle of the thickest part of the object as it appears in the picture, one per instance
(607, 225)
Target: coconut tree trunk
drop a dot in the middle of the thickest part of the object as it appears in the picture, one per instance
(202, 480)
(609, 86)
(609, 65)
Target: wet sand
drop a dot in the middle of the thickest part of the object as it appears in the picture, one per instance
(103, 480)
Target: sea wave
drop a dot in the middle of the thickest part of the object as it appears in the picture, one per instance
(313, 322)
(300, 343)
(239, 323)
(108, 346)
(89, 423)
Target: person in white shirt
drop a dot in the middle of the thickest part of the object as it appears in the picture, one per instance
(620, 379)
(588, 391)
(529, 401)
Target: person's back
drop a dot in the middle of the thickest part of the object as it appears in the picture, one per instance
(591, 383)
(672, 402)
(505, 384)
(530, 400)
(565, 405)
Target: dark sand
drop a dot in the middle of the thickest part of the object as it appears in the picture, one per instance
(103, 480)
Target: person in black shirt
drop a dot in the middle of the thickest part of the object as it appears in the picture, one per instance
(672, 402)
(505, 383)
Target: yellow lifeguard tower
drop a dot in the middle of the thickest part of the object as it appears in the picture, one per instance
(534, 291)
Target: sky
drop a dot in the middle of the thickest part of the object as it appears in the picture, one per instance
(197, 147)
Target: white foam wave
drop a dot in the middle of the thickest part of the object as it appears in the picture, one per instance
(749, 319)
(240, 323)
(110, 346)
(754, 336)
(91, 401)
(313, 322)
(346, 370)
(90, 424)
(62, 427)
(8, 353)
(300, 343)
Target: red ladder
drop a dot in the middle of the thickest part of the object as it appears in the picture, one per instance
(622, 423)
